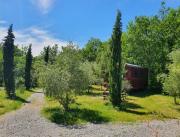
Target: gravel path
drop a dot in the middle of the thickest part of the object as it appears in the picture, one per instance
(27, 122)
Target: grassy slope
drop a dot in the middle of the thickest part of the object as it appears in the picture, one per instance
(92, 108)
(7, 105)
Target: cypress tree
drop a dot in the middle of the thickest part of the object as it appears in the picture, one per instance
(28, 66)
(8, 63)
(46, 56)
(115, 66)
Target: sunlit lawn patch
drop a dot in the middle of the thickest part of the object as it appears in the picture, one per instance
(7, 105)
(92, 108)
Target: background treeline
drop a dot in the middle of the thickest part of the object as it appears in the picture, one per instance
(20, 63)
(147, 42)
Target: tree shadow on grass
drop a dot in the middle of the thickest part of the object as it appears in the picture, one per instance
(131, 108)
(17, 98)
(75, 115)
(94, 94)
(129, 105)
(21, 99)
(135, 112)
(142, 93)
(178, 109)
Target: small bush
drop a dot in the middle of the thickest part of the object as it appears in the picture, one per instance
(172, 81)
(126, 87)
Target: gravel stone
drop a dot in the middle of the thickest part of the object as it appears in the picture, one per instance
(27, 122)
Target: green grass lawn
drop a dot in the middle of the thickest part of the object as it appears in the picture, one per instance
(7, 105)
(92, 108)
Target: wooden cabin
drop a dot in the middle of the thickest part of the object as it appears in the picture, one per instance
(137, 76)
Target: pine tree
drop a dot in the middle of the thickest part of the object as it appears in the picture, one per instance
(115, 66)
(28, 66)
(8, 63)
(46, 56)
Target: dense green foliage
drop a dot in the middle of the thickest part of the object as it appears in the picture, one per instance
(28, 67)
(49, 54)
(149, 40)
(8, 63)
(145, 47)
(53, 53)
(116, 67)
(46, 56)
(172, 82)
(19, 63)
(103, 60)
(91, 49)
(64, 79)
(100, 52)
(91, 71)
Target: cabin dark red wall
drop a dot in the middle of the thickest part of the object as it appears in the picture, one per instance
(137, 76)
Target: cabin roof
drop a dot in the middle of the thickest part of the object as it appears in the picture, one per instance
(133, 65)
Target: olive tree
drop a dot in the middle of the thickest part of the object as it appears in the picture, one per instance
(91, 72)
(64, 80)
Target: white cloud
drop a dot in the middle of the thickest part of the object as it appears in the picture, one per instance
(35, 36)
(3, 22)
(43, 5)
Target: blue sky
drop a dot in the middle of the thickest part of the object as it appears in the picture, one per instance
(43, 22)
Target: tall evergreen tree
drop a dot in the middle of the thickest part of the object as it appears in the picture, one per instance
(115, 66)
(46, 56)
(8, 63)
(28, 66)
(163, 12)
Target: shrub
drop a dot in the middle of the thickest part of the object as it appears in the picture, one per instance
(126, 87)
(172, 81)
(65, 79)
(91, 73)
